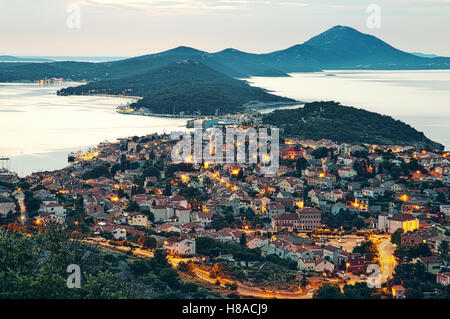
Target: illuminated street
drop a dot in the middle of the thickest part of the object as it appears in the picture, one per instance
(387, 260)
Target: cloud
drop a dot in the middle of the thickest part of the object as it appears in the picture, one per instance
(158, 5)
(188, 6)
(291, 4)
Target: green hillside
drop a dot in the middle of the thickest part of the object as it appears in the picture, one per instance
(330, 120)
(182, 87)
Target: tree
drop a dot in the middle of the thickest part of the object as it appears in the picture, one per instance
(168, 190)
(170, 276)
(300, 165)
(193, 195)
(321, 152)
(304, 281)
(396, 237)
(412, 293)
(218, 222)
(106, 285)
(367, 249)
(184, 267)
(140, 268)
(160, 259)
(357, 291)
(243, 240)
(133, 206)
(33, 204)
(148, 241)
(151, 171)
(36, 267)
(232, 286)
(328, 292)
(443, 247)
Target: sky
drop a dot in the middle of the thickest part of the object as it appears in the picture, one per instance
(128, 28)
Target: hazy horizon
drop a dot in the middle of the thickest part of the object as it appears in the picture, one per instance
(126, 28)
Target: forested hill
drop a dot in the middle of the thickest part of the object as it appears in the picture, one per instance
(181, 87)
(330, 120)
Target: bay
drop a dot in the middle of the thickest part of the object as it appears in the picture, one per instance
(419, 98)
(38, 128)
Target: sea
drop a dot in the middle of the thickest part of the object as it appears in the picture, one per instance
(418, 98)
(38, 128)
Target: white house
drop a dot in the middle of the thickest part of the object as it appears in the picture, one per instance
(6, 207)
(162, 212)
(347, 172)
(323, 265)
(203, 217)
(390, 224)
(445, 209)
(138, 219)
(54, 208)
(180, 246)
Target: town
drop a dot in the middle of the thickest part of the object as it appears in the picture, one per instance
(316, 229)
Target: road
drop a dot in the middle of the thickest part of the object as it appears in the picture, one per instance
(387, 260)
(346, 242)
(256, 292)
(205, 276)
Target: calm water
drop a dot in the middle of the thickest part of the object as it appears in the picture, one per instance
(38, 128)
(419, 98)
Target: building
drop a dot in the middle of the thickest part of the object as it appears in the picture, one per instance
(6, 206)
(446, 180)
(309, 218)
(419, 236)
(354, 262)
(138, 219)
(183, 214)
(306, 264)
(432, 263)
(162, 212)
(332, 253)
(445, 209)
(347, 172)
(289, 184)
(275, 209)
(291, 152)
(288, 221)
(443, 278)
(323, 265)
(390, 224)
(204, 217)
(180, 246)
(4, 191)
(54, 208)
(119, 233)
(338, 207)
(398, 292)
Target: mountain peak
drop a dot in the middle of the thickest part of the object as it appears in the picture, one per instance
(342, 28)
(231, 50)
(356, 48)
(183, 50)
(338, 35)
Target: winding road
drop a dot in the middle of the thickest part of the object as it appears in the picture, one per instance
(387, 260)
(205, 276)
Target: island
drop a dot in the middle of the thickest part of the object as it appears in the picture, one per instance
(182, 88)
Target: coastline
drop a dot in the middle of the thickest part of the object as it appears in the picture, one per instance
(138, 113)
(42, 161)
(246, 107)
